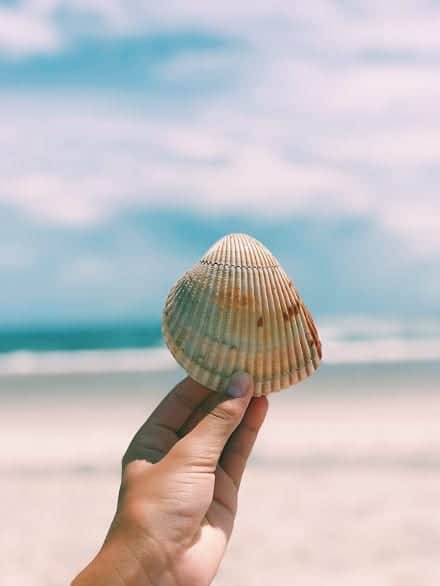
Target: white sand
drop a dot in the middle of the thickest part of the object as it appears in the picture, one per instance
(342, 489)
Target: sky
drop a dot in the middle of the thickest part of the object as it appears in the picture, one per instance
(133, 134)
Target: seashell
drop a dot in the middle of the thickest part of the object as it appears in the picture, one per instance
(237, 309)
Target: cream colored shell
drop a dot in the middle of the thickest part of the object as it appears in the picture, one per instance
(238, 310)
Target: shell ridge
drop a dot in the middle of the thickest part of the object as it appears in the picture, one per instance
(196, 349)
(304, 328)
(307, 355)
(313, 330)
(176, 316)
(242, 326)
(213, 328)
(307, 358)
(292, 347)
(235, 314)
(180, 326)
(259, 330)
(280, 344)
(217, 357)
(282, 339)
(266, 327)
(298, 332)
(310, 337)
(228, 318)
(252, 337)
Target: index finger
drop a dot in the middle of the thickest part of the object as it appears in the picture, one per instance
(160, 432)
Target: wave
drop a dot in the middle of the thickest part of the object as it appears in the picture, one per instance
(336, 351)
(86, 362)
(382, 350)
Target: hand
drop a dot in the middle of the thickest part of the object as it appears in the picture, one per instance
(178, 497)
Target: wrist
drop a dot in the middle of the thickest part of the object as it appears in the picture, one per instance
(114, 565)
(126, 562)
(117, 565)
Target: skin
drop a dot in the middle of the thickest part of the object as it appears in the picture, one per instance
(178, 497)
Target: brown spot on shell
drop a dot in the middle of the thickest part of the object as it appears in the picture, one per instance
(260, 322)
(292, 310)
(285, 316)
(234, 347)
(231, 299)
(290, 284)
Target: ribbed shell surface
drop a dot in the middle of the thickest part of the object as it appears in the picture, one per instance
(238, 310)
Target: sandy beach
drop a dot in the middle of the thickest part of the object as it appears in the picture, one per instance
(343, 487)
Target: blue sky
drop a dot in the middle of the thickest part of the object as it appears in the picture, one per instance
(133, 135)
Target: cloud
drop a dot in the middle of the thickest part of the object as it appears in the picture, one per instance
(153, 161)
(318, 109)
(412, 147)
(81, 162)
(23, 33)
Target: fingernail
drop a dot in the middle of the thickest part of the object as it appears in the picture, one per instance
(238, 384)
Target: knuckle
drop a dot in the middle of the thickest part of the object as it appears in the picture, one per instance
(226, 412)
(132, 513)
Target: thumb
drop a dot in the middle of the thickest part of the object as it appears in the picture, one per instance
(202, 447)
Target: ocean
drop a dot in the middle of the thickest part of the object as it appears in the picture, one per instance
(138, 347)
